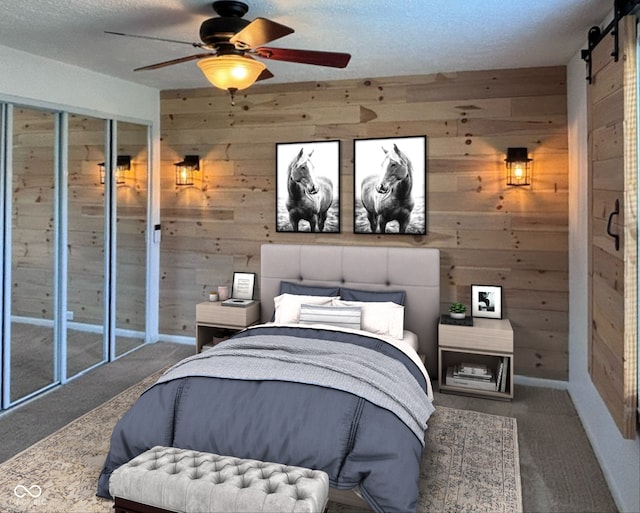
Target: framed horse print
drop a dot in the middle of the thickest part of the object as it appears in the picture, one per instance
(308, 187)
(389, 189)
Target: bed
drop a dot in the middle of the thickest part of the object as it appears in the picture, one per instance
(317, 392)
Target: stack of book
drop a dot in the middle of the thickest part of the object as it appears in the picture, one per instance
(501, 374)
(479, 376)
(469, 375)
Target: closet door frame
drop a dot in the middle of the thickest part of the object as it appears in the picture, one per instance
(6, 116)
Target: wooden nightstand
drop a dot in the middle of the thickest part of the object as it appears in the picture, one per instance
(215, 322)
(488, 342)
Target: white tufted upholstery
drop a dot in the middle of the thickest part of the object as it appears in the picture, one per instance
(187, 481)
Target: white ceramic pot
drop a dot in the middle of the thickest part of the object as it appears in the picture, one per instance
(456, 315)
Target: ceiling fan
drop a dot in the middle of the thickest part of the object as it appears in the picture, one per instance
(231, 42)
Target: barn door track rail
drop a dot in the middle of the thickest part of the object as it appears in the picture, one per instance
(620, 9)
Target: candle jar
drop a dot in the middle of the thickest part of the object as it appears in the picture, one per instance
(223, 293)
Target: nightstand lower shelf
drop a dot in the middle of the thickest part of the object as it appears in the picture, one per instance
(449, 358)
(209, 335)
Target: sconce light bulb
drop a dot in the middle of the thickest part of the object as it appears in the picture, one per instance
(518, 171)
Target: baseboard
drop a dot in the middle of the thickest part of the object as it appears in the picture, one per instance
(540, 382)
(177, 339)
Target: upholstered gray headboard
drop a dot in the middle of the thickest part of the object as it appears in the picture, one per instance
(414, 270)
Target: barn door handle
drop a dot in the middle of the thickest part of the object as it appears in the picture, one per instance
(615, 236)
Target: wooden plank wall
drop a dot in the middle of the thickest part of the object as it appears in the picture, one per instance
(488, 233)
(613, 272)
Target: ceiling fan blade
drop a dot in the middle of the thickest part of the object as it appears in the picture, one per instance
(259, 32)
(333, 59)
(152, 38)
(158, 65)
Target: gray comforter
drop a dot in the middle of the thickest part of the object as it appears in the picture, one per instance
(347, 404)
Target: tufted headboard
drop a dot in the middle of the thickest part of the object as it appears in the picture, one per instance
(414, 270)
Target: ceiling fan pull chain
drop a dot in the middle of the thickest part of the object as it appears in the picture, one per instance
(232, 93)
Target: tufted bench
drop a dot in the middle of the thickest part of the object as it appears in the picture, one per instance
(168, 479)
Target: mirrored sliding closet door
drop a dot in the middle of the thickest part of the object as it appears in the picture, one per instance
(74, 245)
(130, 236)
(30, 353)
(85, 247)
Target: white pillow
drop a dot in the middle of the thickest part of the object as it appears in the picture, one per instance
(384, 318)
(287, 306)
(339, 316)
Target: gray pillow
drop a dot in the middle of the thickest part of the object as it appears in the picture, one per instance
(287, 287)
(395, 296)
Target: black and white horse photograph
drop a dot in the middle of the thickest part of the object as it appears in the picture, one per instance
(390, 185)
(308, 187)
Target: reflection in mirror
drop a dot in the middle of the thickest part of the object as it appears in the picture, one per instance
(131, 212)
(32, 252)
(85, 244)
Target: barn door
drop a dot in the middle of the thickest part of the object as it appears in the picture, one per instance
(613, 225)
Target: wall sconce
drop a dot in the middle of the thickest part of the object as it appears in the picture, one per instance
(123, 165)
(185, 169)
(518, 166)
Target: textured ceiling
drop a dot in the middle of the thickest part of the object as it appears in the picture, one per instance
(385, 38)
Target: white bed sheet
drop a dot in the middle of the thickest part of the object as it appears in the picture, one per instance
(409, 337)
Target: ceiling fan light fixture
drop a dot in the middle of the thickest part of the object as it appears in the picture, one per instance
(231, 71)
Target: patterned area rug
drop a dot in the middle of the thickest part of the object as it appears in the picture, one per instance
(470, 464)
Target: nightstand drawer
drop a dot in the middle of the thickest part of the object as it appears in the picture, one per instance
(227, 316)
(488, 334)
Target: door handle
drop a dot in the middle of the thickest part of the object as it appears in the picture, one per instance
(615, 236)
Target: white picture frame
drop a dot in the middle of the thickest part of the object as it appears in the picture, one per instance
(243, 285)
(486, 301)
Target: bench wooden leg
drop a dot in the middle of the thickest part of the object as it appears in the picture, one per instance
(126, 506)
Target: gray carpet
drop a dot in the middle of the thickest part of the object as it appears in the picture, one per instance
(558, 468)
(27, 423)
(32, 355)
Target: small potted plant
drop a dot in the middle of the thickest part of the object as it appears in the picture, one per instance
(457, 311)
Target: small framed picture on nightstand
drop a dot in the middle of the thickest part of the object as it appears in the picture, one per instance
(243, 285)
(486, 301)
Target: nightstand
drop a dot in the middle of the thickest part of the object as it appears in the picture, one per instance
(215, 322)
(488, 342)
